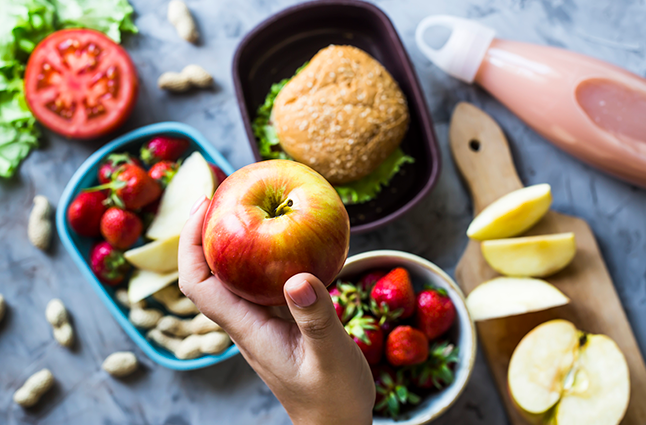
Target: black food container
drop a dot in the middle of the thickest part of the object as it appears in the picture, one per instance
(285, 41)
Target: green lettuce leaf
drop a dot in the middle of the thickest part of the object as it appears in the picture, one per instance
(268, 143)
(368, 188)
(111, 17)
(18, 131)
(23, 24)
(356, 192)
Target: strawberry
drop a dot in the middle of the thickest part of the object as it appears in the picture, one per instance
(437, 370)
(365, 331)
(121, 228)
(406, 346)
(131, 187)
(391, 390)
(218, 174)
(435, 312)
(85, 212)
(393, 296)
(112, 162)
(108, 263)
(368, 280)
(163, 172)
(336, 294)
(163, 148)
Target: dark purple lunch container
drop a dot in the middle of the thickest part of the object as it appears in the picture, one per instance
(285, 41)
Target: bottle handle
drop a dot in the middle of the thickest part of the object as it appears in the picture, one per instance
(463, 52)
(437, 56)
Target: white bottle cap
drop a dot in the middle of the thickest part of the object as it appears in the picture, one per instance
(463, 52)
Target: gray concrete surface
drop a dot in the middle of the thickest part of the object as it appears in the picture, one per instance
(231, 393)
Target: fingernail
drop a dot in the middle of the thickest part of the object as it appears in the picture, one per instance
(197, 205)
(302, 294)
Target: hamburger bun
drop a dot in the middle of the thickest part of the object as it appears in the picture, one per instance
(342, 115)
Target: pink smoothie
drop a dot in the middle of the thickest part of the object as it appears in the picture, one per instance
(589, 108)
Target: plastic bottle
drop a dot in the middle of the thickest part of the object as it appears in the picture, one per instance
(589, 108)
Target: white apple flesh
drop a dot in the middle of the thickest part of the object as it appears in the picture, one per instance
(144, 283)
(540, 364)
(600, 390)
(157, 256)
(508, 296)
(561, 376)
(193, 180)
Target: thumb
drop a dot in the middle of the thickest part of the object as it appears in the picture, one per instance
(311, 306)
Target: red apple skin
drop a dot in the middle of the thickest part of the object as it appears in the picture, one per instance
(252, 253)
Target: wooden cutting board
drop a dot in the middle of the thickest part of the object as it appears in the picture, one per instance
(482, 155)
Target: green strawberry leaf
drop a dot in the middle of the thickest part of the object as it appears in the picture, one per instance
(413, 398)
(393, 405)
(402, 393)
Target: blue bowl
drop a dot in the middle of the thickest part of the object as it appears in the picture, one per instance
(79, 247)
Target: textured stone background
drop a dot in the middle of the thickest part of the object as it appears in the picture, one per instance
(231, 393)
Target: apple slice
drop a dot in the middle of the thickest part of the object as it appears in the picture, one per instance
(508, 296)
(562, 376)
(144, 283)
(157, 256)
(600, 390)
(535, 256)
(193, 179)
(512, 214)
(540, 364)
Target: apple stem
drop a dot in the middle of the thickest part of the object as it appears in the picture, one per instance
(281, 209)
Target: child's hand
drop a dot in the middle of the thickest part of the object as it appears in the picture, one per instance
(306, 358)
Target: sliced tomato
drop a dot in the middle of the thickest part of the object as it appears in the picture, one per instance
(80, 83)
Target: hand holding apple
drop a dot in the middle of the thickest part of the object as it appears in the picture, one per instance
(300, 351)
(269, 221)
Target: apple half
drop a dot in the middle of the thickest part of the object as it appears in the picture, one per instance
(512, 214)
(509, 296)
(530, 256)
(562, 376)
(157, 256)
(193, 180)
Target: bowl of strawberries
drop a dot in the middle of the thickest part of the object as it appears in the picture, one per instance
(119, 218)
(410, 320)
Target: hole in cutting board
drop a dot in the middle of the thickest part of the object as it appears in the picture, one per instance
(474, 145)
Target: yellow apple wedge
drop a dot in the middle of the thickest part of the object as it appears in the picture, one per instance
(530, 256)
(144, 283)
(193, 179)
(512, 214)
(157, 256)
(562, 376)
(508, 296)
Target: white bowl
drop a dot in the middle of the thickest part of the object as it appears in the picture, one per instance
(462, 332)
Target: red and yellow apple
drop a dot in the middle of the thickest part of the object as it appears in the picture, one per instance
(271, 220)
